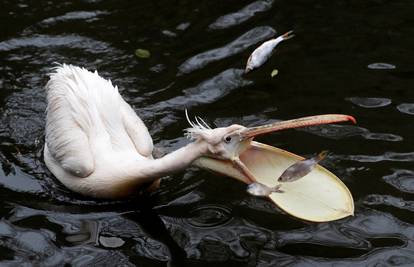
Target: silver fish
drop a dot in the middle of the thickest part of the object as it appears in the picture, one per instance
(261, 190)
(261, 54)
(301, 168)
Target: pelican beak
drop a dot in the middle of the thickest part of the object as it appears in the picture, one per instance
(295, 123)
(320, 196)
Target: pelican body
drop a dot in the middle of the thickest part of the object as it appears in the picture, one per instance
(96, 145)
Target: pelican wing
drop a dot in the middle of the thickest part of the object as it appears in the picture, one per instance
(136, 130)
(68, 123)
(86, 118)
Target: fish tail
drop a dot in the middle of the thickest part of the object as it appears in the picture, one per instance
(287, 35)
(277, 189)
(323, 155)
(248, 65)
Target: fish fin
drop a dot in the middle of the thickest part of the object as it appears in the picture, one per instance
(277, 189)
(323, 154)
(287, 35)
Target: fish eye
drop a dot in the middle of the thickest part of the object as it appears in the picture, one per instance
(227, 139)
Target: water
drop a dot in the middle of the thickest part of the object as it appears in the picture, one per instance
(335, 64)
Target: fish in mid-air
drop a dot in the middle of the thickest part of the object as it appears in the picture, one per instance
(301, 168)
(262, 190)
(261, 54)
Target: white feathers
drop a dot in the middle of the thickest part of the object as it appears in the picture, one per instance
(86, 118)
(198, 129)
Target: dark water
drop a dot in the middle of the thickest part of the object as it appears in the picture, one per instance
(352, 57)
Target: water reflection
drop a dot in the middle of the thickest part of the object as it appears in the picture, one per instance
(209, 91)
(344, 131)
(87, 16)
(44, 41)
(381, 66)
(15, 179)
(241, 16)
(370, 102)
(197, 218)
(402, 180)
(387, 156)
(240, 44)
(388, 200)
(407, 108)
(142, 230)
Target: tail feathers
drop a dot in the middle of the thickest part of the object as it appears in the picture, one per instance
(92, 102)
(287, 35)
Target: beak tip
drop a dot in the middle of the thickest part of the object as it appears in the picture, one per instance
(352, 119)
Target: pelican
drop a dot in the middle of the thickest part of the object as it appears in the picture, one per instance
(96, 145)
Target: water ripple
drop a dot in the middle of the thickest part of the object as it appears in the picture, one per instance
(381, 66)
(401, 179)
(370, 102)
(81, 231)
(23, 116)
(391, 201)
(324, 234)
(232, 19)
(206, 92)
(383, 136)
(379, 257)
(44, 224)
(46, 41)
(215, 88)
(407, 108)
(345, 131)
(371, 224)
(38, 247)
(151, 249)
(18, 181)
(236, 241)
(74, 15)
(209, 216)
(243, 42)
(388, 156)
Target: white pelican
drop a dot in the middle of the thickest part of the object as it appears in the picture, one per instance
(96, 145)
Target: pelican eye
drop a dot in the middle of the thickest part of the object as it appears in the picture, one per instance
(227, 139)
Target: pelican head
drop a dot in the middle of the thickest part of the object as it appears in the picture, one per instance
(222, 143)
(229, 143)
(318, 197)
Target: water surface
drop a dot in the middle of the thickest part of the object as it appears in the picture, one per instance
(352, 57)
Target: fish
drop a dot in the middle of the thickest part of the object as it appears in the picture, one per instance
(261, 54)
(301, 168)
(261, 190)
